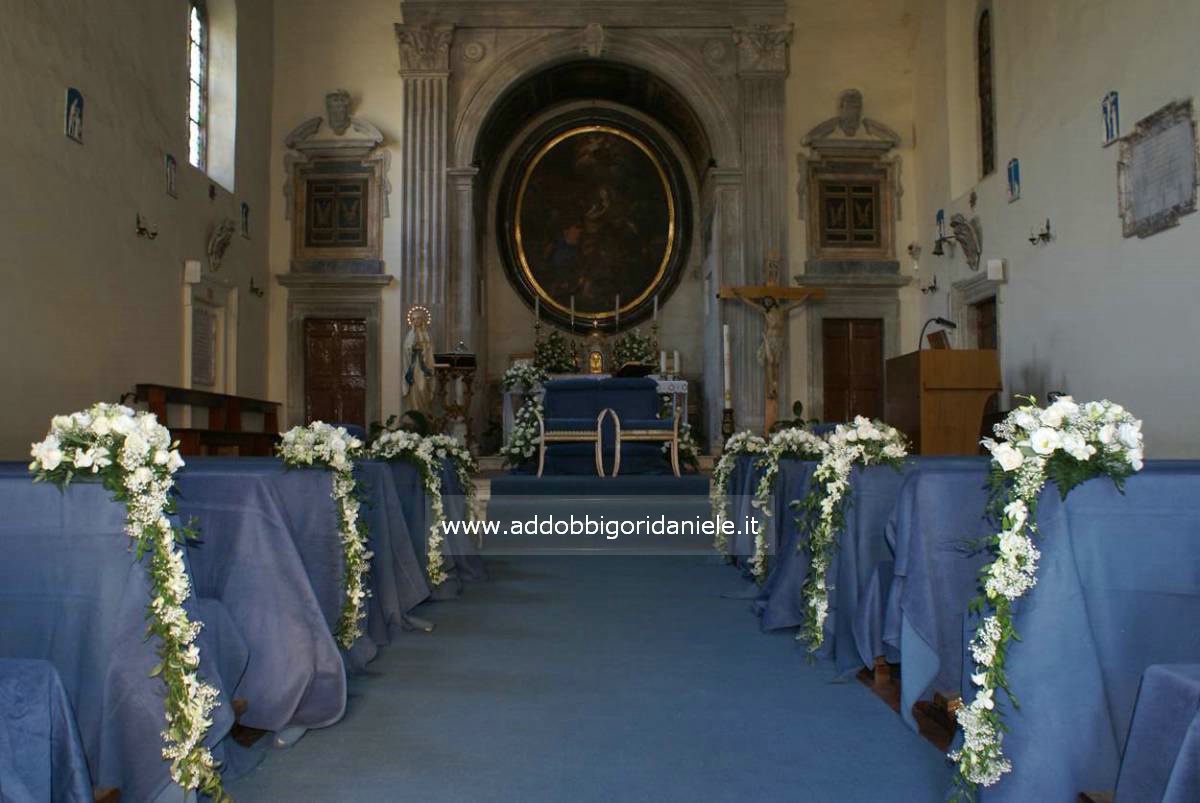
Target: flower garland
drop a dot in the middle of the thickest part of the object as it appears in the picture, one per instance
(795, 443)
(464, 465)
(423, 453)
(321, 444)
(739, 443)
(524, 438)
(863, 442)
(633, 346)
(1066, 443)
(133, 456)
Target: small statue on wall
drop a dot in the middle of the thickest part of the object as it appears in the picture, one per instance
(337, 110)
(218, 243)
(418, 362)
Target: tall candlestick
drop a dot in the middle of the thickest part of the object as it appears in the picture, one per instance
(728, 367)
(572, 313)
(662, 363)
(617, 314)
(676, 363)
(656, 307)
(537, 308)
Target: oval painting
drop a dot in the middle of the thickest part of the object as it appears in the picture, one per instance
(594, 218)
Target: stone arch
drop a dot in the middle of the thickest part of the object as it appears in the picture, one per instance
(651, 53)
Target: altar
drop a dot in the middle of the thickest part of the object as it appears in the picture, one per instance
(677, 389)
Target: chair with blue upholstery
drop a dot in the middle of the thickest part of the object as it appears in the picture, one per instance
(578, 411)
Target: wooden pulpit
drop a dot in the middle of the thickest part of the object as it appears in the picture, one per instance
(937, 398)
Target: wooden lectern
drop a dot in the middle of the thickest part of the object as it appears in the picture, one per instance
(937, 397)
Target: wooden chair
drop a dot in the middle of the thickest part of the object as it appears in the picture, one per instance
(652, 430)
(569, 431)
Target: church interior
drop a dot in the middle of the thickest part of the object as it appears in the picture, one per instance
(600, 400)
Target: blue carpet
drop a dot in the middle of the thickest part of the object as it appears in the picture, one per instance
(602, 678)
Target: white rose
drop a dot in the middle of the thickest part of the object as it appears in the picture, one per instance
(1130, 434)
(1009, 458)
(161, 457)
(1016, 512)
(61, 422)
(1025, 420)
(101, 426)
(121, 424)
(1051, 417)
(47, 454)
(1135, 459)
(1044, 440)
(174, 461)
(1107, 433)
(142, 476)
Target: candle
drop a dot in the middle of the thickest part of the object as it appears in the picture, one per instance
(662, 363)
(728, 367)
(617, 313)
(537, 308)
(572, 313)
(676, 363)
(656, 307)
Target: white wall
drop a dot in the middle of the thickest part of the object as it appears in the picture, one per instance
(87, 308)
(1091, 313)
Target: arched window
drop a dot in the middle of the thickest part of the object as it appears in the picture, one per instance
(987, 95)
(198, 84)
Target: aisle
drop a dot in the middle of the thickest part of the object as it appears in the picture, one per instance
(602, 678)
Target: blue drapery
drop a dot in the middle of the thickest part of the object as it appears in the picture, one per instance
(1118, 590)
(940, 509)
(71, 593)
(1162, 755)
(41, 758)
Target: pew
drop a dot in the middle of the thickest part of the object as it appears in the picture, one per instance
(224, 434)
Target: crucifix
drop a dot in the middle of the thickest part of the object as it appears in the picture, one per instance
(773, 301)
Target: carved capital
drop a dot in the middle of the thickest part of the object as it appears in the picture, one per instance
(424, 48)
(763, 49)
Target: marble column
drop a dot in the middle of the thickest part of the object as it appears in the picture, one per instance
(424, 269)
(762, 70)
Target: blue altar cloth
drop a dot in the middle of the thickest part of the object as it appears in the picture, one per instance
(1162, 755)
(1118, 590)
(71, 593)
(41, 758)
(940, 507)
(743, 481)
(461, 559)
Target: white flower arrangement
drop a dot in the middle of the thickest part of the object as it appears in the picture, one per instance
(634, 347)
(133, 456)
(425, 453)
(739, 443)
(865, 443)
(1066, 443)
(795, 443)
(325, 446)
(524, 438)
(524, 376)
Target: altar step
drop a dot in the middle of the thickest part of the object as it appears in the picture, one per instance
(493, 464)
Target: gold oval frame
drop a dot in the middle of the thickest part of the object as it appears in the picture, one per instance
(668, 252)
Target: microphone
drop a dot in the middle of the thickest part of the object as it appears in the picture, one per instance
(946, 322)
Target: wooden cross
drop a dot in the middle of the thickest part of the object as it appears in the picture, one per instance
(773, 301)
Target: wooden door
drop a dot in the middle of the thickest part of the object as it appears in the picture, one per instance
(987, 337)
(335, 370)
(853, 360)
